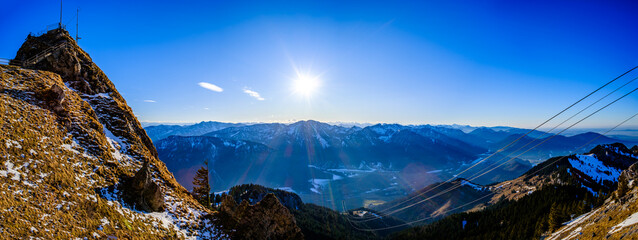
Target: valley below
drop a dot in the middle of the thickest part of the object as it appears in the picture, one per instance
(352, 167)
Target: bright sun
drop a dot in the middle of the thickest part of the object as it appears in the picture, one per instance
(306, 85)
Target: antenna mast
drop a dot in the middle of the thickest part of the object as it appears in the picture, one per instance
(60, 23)
(77, 25)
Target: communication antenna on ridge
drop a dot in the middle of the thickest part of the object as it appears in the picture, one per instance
(60, 23)
(77, 25)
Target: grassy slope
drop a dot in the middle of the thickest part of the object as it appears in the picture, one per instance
(55, 158)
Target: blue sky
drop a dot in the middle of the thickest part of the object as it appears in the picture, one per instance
(481, 63)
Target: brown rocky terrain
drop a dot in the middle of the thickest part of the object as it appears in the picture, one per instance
(69, 140)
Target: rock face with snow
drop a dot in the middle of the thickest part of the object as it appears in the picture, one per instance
(616, 219)
(597, 170)
(69, 140)
(79, 73)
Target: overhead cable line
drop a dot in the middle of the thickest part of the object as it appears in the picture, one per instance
(415, 221)
(545, 140)
(582, 146)
(514, 141)
(560, 124)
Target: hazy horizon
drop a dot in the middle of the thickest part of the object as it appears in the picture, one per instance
(621, 128)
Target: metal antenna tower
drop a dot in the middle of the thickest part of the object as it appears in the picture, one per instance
(60, 23)
(77, 25)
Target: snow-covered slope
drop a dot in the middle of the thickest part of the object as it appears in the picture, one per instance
(589, 165)
(276, 135)
(597, 170)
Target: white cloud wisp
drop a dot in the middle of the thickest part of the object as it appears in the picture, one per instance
(254, 94)
(210, 86)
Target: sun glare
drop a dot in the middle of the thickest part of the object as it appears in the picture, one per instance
(306, 85)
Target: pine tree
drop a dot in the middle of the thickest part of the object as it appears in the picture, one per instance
(541, 227)
(553, 220)
(201, 189)
(217, 199)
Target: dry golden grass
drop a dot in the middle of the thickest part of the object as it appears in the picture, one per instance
(52, 166)
(599, 224)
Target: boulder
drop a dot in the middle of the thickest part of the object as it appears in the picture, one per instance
(141, 192)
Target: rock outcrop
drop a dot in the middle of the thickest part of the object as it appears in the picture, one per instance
(267, 219)
(69, 144)
(253, 193)
(84, 77)
(140, 191)
(81, 74)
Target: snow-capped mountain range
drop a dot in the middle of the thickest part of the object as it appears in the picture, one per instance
(305, 155)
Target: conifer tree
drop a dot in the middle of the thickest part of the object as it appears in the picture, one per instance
(553, 220)
(201, 189)
(541, 227)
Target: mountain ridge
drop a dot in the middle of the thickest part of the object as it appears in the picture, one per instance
(549, 195)
(65, 111)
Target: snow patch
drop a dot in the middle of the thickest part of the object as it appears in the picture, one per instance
(476, 187)
(631, 220)
(617, 150)
(322, 141)
(105, 221)
(287, 189)
(594, 168)
(99, 95)
(10, 169)
(318, 184)
(571, 224)
(117, 145)
(12, 143)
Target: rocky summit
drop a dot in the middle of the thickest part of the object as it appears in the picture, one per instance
(74, 159)
(70, 143)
